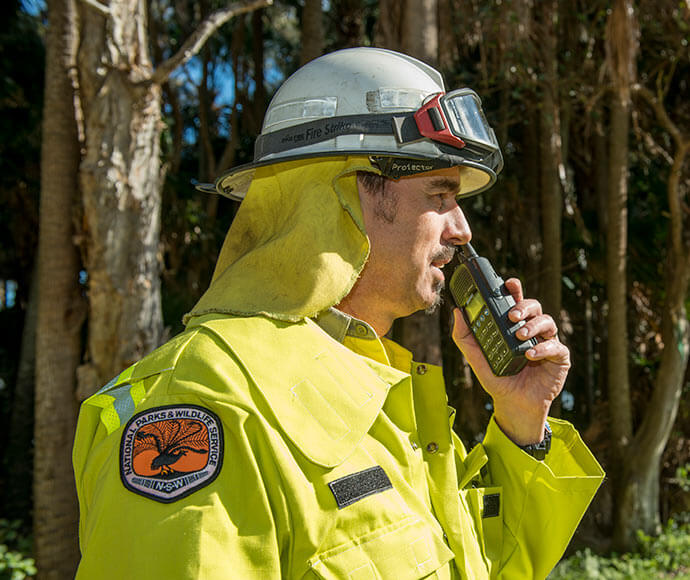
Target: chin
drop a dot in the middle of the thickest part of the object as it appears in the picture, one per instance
(434, 304)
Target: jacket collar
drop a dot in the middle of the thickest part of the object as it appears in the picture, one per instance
(339, 325)
(324, 396)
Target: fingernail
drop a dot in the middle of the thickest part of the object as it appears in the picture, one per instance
(523, 332)
(531, 353)
(517, 313)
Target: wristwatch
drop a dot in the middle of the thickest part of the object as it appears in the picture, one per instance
(539, 450)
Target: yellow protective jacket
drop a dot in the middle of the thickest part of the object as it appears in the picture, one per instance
(253, 448)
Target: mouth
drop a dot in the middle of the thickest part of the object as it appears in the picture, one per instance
(441, 258)
(440, 263)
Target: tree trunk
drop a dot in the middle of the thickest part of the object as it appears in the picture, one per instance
(410, 27)
(420, 30)
(259, 100)
(388, 32)
(349, 21)
(639, 489)
(312, 31)
(58, 344)
(550, 156)
(120, 177)
(621, 55)
(616, 286)
(550, 194)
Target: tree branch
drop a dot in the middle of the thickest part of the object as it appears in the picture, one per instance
(98, 7)
(660, 112)
(199, 37)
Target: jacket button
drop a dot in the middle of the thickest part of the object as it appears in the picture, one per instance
(432, 447)
(361, 330)
(421, 369)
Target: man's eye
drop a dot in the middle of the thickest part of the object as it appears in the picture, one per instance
(444, 200)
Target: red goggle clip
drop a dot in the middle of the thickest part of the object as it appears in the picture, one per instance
(432, 123)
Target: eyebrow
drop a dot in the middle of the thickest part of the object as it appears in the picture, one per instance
(445, 184)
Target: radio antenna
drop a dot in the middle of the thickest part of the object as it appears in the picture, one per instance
(468, 251)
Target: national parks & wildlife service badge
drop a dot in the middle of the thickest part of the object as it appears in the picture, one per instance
(169, 452)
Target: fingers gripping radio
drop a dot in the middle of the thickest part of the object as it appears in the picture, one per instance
(485, 302)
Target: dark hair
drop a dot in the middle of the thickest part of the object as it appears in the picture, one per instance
(386, 202)
(372, 182)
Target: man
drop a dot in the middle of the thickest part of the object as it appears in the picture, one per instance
(282, 435)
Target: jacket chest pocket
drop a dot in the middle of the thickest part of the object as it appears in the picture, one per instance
(406, 550)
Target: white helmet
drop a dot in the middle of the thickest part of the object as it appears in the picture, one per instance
(383, 104)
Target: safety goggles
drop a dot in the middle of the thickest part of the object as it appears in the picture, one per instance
(455, 118)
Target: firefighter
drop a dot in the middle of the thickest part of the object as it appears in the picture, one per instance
(282, 435)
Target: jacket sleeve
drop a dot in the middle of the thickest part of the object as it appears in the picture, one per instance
(543, 501)
(225, 529)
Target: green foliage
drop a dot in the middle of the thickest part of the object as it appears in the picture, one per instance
(682, 478)
(15, 547)
(663, 556)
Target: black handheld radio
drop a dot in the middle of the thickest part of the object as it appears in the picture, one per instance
(484, 301)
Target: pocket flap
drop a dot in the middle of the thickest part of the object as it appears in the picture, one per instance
(405, 551)
(472, 466)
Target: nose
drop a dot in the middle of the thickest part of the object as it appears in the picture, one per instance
(457, 231)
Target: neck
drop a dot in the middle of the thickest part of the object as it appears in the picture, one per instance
(365, 310)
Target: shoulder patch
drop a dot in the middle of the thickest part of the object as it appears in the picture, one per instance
(170, 452)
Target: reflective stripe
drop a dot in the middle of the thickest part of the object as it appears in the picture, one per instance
(109, 416)
(137, 393)
(118, 400)
(123, 403)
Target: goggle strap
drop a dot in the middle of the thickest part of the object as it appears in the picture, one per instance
(401, 125)
(405, 128)
(321, 130)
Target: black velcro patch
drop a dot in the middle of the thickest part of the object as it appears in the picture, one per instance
(492, 505)
(351, 488)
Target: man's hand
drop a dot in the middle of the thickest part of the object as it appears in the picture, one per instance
(522, 401)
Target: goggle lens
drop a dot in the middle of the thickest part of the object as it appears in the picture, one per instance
(455, 118)
(466, 117)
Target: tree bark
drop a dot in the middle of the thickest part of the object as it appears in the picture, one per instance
(58, 344)
(420, 30)
(639, 488)
(621, 55)
(312, 31)
(616, 279)
(550, 157)
(388, 32)
(349, 21)
(120, 177)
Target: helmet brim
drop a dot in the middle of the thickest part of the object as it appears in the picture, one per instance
(234, 183)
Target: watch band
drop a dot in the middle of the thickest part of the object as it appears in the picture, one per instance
(539, 450)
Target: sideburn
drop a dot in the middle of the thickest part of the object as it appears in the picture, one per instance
(385, 200)
(386, 206)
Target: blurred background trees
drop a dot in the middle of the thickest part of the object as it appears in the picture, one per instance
(111, 110)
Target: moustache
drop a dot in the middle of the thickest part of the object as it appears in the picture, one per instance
(446, 254)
